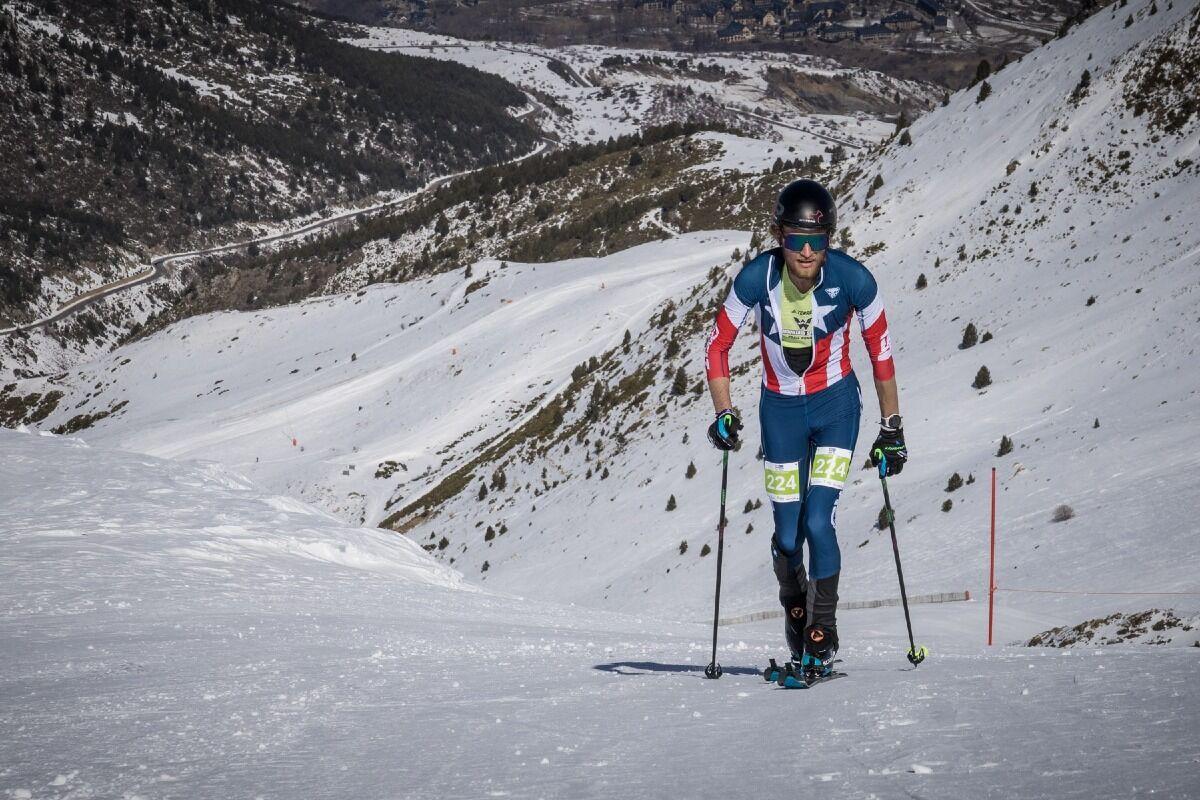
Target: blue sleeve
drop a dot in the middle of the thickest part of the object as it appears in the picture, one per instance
(863, 288)
(748, 283)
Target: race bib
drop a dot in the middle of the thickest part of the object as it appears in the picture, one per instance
(799, 333)
(783, 481)
(830, 467)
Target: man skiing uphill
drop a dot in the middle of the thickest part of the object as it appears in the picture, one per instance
(805, 295)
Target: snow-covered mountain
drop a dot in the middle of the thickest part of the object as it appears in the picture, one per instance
(596, 92)
(448, 408)
(804, 108)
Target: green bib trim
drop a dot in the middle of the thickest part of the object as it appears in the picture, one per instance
(796, 310)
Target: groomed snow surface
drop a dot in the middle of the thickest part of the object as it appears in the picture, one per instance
(170, 630)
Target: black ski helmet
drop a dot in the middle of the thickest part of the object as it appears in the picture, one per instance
(806, 205)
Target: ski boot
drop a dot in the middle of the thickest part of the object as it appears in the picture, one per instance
(820, 637)
(793, 596)
(791, 676)
(820, 646)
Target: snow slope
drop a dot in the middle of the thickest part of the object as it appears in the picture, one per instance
(1100, 399)
(591, 526)
(1088, 288)
(312, 399)
(171, 630)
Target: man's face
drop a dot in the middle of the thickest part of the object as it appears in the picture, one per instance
(806, 262)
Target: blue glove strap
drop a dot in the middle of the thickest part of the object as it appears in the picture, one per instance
(723, 420)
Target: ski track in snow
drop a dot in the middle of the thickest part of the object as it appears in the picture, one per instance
(190, 650)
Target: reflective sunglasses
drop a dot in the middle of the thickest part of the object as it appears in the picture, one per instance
(796, 241)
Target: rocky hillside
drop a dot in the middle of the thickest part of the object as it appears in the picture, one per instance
(145, 126)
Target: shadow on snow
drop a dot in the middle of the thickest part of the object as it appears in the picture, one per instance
(645, 667)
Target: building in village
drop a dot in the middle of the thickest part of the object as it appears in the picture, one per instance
(794, 30)
(734, 21)
(870, 33)
(745, 17)
(834, 32)
(900, 21)
(733, 33)
(829, 11)
(700, 17)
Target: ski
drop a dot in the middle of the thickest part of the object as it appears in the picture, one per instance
(792, 675)
(808, 683)
(772, 672)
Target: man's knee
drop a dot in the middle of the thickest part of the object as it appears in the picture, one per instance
(788, 572)
(788, 537)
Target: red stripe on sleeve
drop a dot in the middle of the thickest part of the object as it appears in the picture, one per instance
(880, 348)
(720, 341)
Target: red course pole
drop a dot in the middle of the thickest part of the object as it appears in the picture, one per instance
(992, 565)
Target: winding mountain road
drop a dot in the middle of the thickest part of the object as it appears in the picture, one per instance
(988, 18)
(159, 265)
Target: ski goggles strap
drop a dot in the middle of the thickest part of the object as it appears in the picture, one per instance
(796, 241)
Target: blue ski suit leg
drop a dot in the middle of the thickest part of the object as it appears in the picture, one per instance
(808, 447)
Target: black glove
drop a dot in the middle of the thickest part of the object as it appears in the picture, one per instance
(723, 433)
(889, 449)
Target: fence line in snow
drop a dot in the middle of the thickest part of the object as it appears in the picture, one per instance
(939, 597)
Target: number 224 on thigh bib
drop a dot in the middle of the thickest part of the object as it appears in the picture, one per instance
(830, 467)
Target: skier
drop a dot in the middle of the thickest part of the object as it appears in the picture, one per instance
(804, 295)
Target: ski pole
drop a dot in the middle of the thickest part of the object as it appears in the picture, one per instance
(915, 655)
(713, 670)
